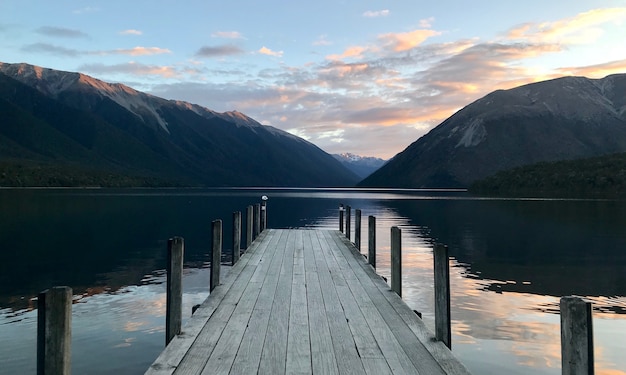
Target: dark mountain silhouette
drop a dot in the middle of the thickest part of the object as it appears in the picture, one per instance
(70, 124)
(560, 119)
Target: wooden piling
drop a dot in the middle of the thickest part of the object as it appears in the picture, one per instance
(54, 331)
(357, 229)
(396, 260)
(348, 219)
(443, 331)
(236, 236)
(263, 215)
(249, 226)
(371, 239)
(341, 210)
(174, 291)
(576, 337)
(257, 221)
(216, 254)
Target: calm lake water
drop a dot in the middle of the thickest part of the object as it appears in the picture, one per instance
(512, 260)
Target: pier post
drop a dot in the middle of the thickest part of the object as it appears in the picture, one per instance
(249, 226)
(371, 249)
(174, 291)
(216, 254)
(357, 229)
(341, 210)
(257, 221)
(348, 210)
(576, 337)
(236, 236)
(442, 294)
(396, 260)
(54, 331)
(263, 213)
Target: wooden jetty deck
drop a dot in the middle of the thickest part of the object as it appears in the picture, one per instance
(304, 302)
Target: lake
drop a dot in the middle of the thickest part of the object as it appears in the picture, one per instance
(512, 259)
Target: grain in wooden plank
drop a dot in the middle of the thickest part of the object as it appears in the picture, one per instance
(395, 356)
(173, 354)
(273, 358)
(249, 354)
(444, 357)
(323, 360)
(348, 360)
(298, 342)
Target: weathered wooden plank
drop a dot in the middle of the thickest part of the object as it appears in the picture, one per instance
(323, 359)
(396, 260)
(371, 241)
(54, 331)
(274, 356)
(173, 354)
(174, 288)
(236, 237)
(298, 342)
(442, 355)
(443, 328)
(216, 254)
(576, 336)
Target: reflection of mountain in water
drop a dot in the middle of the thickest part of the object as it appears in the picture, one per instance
(542, 247)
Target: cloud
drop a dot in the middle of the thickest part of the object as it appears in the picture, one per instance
(136, 51)
(227, 35)
(350, 52)
(130, 32)
(60, 32)
(266, 51)
(400, 42)
(68, 52)
(596, 70)
(131, 68)
(219, 51)
(427, 23)
(322, 41)
(376, 13)
(86, 10)
(51, 49)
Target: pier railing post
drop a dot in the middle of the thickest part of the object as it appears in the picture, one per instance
(357, 229)
(442, 294)
(257, 221)
(348, 209)
(236, 236)
(341, 210)
(576, 337)
(263, 213)
(54, 331)
(371, 239)
(216, 254)
(396, 260)
(249, 226)
(174, 292)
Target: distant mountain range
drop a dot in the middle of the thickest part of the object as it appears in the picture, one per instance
(362, 166)
(63, 123)
(560, 119)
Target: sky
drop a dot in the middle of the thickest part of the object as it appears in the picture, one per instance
(362, 76)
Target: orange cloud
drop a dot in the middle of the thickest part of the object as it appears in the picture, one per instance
(595, 71)
(354, 51)
(139, 51)
(399, 42)
(266, 51)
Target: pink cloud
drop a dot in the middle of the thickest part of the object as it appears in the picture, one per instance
(266, 51)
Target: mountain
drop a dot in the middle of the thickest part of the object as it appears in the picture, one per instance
(71, 122)
(560, 119)
(362, 166)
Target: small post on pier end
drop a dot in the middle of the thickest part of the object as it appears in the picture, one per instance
(341, 210)
(396, 260)
(576, 337)
(348, 211)
(174, 291)
(216, 254)
(357, 229)
(249, 226)
(371, 249)
(54, 331)
(263, 213)
(236, 236)
(442, 295)
(257, 221)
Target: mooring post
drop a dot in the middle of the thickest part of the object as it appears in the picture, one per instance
(263, 213)
(396, 260)
(257, 221)
(249, 226)
(348, 210)
(341, 210)
(357, 229)
(442, 294)
(371, 249)
(236, 236)
(54, 331)
(216, 254)
(174, 291)
(576, 337)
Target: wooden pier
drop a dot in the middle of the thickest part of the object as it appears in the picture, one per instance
(304, 302)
